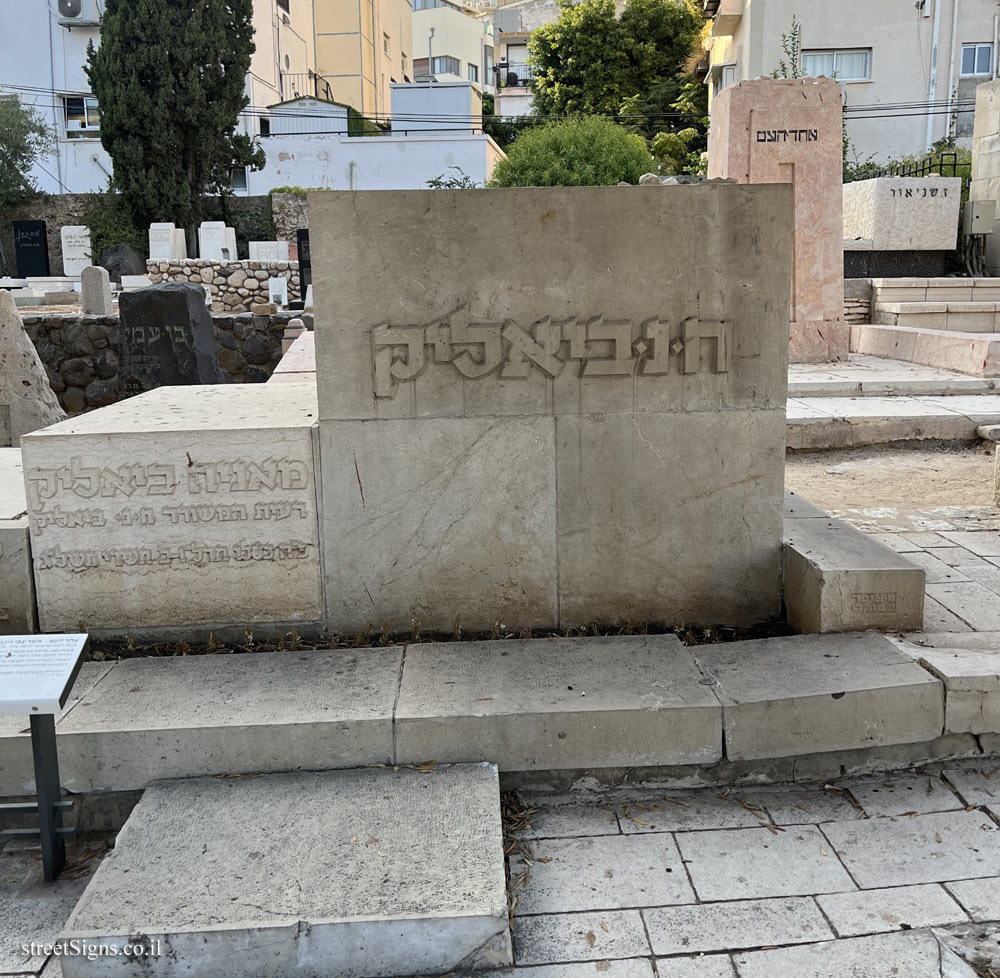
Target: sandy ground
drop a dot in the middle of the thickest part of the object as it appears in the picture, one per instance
(905, 480)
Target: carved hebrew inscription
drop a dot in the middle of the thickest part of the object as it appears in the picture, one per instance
(603, 348)
(784, 135)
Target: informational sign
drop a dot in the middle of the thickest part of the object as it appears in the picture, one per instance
(37, 672)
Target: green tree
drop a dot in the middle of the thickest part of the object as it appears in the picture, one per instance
(588, 61)
(169, 79)
(24, 139)
(586, 152)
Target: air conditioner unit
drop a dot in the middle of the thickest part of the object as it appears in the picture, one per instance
(78, 13)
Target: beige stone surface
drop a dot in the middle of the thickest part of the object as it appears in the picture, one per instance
(17, 588)
(904, 213)
(789, 131)
(605, 393)
(182, 506)
(26, 398)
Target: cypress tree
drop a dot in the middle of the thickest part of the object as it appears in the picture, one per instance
(169, 77)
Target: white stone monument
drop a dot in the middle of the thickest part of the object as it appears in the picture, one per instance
(277, 291)
(76, 249)
(903, 213)
(96, 288)
(268, 251)
(216, 241)
(167, 242)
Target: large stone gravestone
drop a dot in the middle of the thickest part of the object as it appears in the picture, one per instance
(790, 131)
(216, 241)
(76, 249)
(571, 410)
(167, 242)
(31, 249)
(96, 287)
(167, 339)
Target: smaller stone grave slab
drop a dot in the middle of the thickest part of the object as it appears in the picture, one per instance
(76, 249)
(216, 241)
(277, 291)
(96, 283)
(268, 250)
(167, 339)
(166, 242)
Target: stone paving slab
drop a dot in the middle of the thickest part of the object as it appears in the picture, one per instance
(970, 601)
(937, 618)
(937, 571)
(706, 966)
(633, 968)
(981, 898)
(983, 543)
(697, 811)
(978, 784)
(912, 954)
(563, 816)
(890, 909)
(605, 873)
(739, 924)
(361, 873)
(228, 719)
(595, 702)
(551, 938)
(901, 851)
(737, 864)
(786, 696)
(802, 806)
(904, 796)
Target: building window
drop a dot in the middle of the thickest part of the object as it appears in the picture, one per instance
(238, 177)
(474, 73)
(385, 43)
(429, 4)
(283, 4)
(977, 59)
(487, 65)
(845, 66)
(83, 117)
(447, 66)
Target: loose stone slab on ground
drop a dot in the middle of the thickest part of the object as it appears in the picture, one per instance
(273, 711)
(551, 938)
(607, 872)
(890, 909)
(929, 848)
(383, 872)
(561, 703)
(840, 692)
(735, 924)
(738, 864)
(185, 506)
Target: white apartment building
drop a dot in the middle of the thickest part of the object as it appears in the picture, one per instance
(909, 67)
(459, 43)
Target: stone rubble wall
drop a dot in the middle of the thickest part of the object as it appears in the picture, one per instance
(80, 353)
(290, 212)
(235, 285)
(857, 311)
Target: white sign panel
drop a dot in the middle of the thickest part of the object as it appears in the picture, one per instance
(277, 290)
(37, 672)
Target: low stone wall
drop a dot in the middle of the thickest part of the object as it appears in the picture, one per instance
(857, 310)
(80, 353)
(235, 285)
(290, 212)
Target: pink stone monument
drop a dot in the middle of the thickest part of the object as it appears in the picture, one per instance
(790, 131)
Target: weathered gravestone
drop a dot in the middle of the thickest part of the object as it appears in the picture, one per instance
(592, 430)
(268, 250)
(96, 286)
(167, 339)
(791, 131)
(216, 241)
(26, 398)
(31, 249)
(76, 249)
(167, 242)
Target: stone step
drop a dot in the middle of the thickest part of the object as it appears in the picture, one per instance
(868, 376)
(359, 873)
(559, 704)
(977, 354)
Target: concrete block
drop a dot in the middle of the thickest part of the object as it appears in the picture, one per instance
(572, 874)
(183, 506)
(471, 535)
(904, 213)
(361, 874)
(895, 908)
(17, 585)
(740, 923)
(737, 864)
(837, 579)
(972, 688)
(815, 693)
(797, 507)
(564, 703)
(901, 851)
(164, 718)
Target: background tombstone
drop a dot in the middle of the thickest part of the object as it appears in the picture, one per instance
(31, 249)
(75, 249)
(166, 242)
(216, 242)
(268, 251)
(167, 339)
(96, 287)
(24, 386)
(644, 377)
(304, 257)
(277, 291)
(791, 131)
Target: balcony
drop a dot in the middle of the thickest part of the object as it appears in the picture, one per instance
(726, 17)
(514, 75)
(304, 83)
